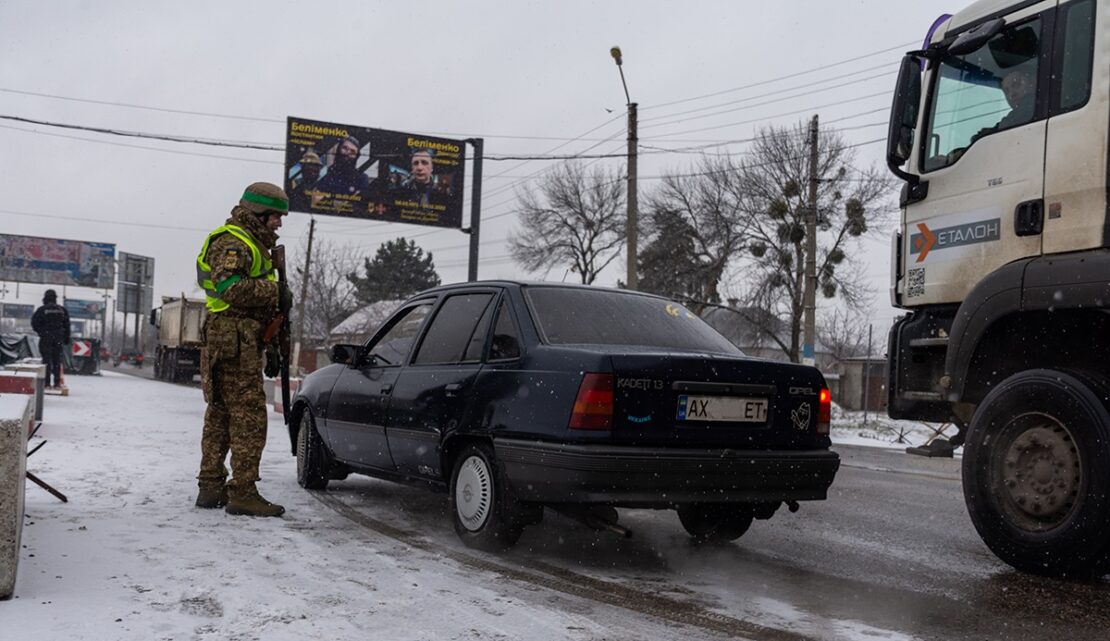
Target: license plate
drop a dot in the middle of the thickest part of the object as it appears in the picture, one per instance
(722, 408)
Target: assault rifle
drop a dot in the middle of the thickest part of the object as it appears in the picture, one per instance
(280, 327)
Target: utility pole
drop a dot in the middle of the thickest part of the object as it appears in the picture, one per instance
(632, 280)
(810, 300)
(475, 207)
(304, 294)
(633, 204)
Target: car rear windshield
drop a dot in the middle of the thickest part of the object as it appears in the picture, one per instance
(605, 317)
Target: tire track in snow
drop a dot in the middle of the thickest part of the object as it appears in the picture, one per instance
(571, 583)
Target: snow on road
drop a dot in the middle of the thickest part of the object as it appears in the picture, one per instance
(129, 557)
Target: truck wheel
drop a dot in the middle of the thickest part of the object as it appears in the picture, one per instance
(312, 466)
(1036, 474)
(715, 523)
(158, 365)
(483, 515)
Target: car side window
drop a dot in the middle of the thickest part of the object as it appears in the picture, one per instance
(394, 345)
(452, 329)
(506, 341)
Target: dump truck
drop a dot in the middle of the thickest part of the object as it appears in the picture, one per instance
(179, 322)
(998, 131)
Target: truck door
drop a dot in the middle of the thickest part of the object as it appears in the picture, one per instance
(1076, 149)
(982, 153)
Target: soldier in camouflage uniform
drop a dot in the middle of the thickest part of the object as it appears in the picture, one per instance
(243, 297)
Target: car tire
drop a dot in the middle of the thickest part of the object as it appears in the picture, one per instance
(715, 523)
(1036, 473)
(484, 515)
(312, 467)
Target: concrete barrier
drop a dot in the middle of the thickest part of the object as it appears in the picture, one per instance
(39, 371)
(16, 412)
(24, 382)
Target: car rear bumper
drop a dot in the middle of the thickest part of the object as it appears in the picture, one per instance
(662, 477)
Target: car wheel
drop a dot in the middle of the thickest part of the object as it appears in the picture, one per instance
(483, 514)
(1036, 474)
(311, 459)
(715, 523)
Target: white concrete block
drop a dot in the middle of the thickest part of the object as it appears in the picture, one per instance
(16, 411)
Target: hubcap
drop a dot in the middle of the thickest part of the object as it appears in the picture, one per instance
(473, 493)
(1040, 472)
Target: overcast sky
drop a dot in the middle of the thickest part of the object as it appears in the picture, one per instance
(504, 71)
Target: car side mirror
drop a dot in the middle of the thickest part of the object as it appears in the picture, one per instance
(344, 354)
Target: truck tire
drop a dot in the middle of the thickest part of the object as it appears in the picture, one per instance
(1036, 474)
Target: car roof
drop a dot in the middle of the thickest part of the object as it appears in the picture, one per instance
(526, 283)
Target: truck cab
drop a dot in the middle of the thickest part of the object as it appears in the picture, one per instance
(999, 131)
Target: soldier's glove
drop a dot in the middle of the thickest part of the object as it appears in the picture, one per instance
(273, 364)
(285, 298)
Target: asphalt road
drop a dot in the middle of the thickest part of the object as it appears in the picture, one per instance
(891, 555)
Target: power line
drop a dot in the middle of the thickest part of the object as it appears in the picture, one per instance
(121, 144)
(786, 77)
(102, 222)
(782, 91)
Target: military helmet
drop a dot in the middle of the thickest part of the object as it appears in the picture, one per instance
(311, 158)
(263, 198)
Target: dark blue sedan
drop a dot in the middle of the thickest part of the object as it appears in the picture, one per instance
(514, 397)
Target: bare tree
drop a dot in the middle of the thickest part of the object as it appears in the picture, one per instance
(331, 295)
(697, 225)
(772, 182)
(844, 332)
(576, 218)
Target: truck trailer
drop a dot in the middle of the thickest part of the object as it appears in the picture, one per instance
(179, 322)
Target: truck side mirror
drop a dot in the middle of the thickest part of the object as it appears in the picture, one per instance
(154, 317)
(903, 117)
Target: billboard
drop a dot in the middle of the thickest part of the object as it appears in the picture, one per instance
(135, 290)
(52, 261)
(16, 310)
(359, 172)
(87, 309)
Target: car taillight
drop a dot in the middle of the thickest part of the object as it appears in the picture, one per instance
(824, 412)
(593, 409)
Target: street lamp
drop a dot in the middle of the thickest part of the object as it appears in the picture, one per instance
(633, 281)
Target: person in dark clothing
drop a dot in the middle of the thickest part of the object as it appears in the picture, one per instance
(51, 323)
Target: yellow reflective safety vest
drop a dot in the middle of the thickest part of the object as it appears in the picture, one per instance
(261, 267)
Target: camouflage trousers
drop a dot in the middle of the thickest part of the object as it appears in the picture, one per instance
(231, 375)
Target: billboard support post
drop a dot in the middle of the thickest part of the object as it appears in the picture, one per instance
(475, 208)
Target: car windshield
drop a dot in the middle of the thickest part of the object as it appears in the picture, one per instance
(606, 317)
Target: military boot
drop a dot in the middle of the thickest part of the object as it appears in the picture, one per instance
(246, 500)
(212, 495)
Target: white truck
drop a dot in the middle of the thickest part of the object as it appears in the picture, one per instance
(180, 322)
(1002, 260)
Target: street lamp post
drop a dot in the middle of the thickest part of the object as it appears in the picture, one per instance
(633, 281)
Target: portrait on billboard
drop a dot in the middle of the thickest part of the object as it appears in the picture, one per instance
(359, 172)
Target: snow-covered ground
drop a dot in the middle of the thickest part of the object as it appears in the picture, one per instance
(875, 429)
(129, 557)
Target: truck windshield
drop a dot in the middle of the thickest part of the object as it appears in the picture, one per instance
(603, 317)
(988, 90)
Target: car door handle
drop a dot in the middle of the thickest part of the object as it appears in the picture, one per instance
(452, 389)
(386, 389)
